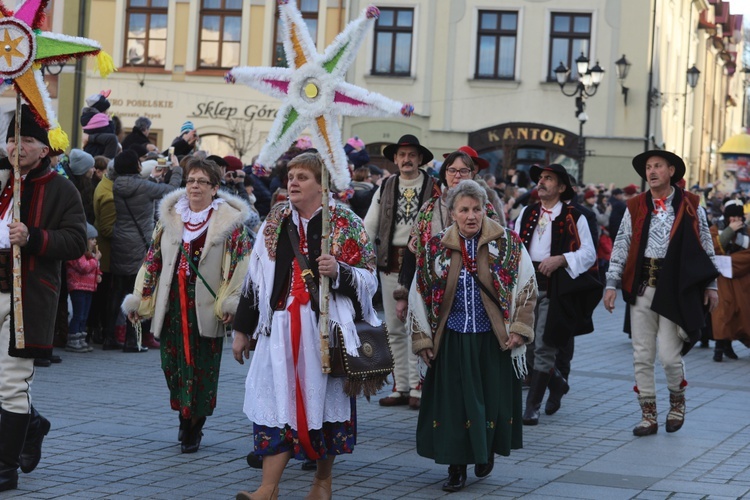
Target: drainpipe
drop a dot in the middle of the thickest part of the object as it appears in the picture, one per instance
(78, 79)
(650, 86)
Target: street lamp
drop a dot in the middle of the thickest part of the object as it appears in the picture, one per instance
(622, 68)
(588, 83)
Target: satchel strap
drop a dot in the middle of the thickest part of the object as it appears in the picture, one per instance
(140, 232)
(195, 270)
(488, 293)
(307, 274)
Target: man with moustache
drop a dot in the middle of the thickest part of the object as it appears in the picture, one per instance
(52, 229)
(559, 241)
(663, 255)
(388, 222)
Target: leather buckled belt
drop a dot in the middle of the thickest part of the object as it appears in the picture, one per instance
(650, 271)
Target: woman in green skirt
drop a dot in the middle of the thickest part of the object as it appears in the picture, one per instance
(471, 312)
(189, 284)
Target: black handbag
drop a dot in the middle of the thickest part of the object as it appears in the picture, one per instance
(366, 374)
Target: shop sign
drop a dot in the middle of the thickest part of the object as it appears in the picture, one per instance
(523, 134)
(221, 110)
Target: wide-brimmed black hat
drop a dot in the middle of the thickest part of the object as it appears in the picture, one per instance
(536, 171)
(639, 163)
(408, 140)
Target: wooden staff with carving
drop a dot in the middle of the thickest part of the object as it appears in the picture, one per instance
(325, 281)
(17, 290)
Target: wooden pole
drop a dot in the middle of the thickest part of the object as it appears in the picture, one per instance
(325, 282)
(17, 305)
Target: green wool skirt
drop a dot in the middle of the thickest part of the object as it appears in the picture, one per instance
(471, 402)
(192, 388)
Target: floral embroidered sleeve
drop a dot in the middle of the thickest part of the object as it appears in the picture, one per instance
(143, 299)
(234, 268)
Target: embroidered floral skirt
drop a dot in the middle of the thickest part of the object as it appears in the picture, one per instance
(192, 389)
(471, 402)
(335, 438)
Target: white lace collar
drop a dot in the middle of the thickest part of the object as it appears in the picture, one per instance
(182, 207)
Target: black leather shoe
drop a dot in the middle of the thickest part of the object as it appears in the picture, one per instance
(255, 461)
(729, 351)
(309, 465)
(184, 426)
(483, 470)
(134, 348)
(111, 345)
(192, 438)
(55, 359)
(718, 355)
(31, 453)
(43, 362)
(456, 478)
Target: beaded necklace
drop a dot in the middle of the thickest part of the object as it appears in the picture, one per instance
(470, 264)
(195, 227)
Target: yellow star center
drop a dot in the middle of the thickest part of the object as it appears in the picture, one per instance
(10, 48)
(311, 90)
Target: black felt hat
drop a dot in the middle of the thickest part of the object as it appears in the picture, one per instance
(639, 163)
(536, 171)
(29, 127)
(408, 140)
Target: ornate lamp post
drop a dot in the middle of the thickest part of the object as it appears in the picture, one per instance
(587, 85)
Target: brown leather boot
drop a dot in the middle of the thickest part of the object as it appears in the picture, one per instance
(676, 415)
(648, 424)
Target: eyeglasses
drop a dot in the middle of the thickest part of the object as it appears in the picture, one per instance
(465, 172)
(202, 182)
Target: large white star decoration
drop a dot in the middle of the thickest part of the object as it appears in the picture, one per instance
(315, 92)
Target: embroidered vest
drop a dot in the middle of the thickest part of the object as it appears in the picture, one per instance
(564, 228)
(640, 208)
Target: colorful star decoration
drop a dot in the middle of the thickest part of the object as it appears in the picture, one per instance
(23, 50)
(315, 92)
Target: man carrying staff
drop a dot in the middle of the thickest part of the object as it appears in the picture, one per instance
(663, 254)
(52, 229)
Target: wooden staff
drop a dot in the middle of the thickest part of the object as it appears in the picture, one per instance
(17, 305)
(325, 282)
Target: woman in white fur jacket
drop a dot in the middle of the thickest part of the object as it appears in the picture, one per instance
(189, 284)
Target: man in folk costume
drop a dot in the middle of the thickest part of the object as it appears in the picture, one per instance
(52, 229)
(663, 255)
(389, 220)
(558, 239)
(731, 319)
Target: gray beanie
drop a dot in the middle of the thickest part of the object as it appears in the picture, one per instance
(91, 231)
(80, 161)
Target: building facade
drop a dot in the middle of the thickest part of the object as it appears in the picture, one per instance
(479, 72)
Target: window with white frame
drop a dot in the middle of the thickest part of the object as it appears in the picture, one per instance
(570, 35)
(496, 44)
(394, 32)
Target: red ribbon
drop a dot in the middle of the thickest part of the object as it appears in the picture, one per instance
(660, 204)
(300, 297)
(182, 281)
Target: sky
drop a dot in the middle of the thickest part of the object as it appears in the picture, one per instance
(741, 7)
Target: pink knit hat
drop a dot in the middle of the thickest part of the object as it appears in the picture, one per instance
(98, 120)
(355, 142)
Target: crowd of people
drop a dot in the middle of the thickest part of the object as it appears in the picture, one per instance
(484, 281)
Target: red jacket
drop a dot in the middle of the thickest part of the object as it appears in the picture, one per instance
(82, 273)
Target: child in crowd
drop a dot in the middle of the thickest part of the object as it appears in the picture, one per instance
(83, 275)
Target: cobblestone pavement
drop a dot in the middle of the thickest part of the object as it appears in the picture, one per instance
(114, 436)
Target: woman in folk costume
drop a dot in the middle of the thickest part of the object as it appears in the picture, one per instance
(189, 284)
(731, 318)
(434, 216)
(297, 410)
(472, 342)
